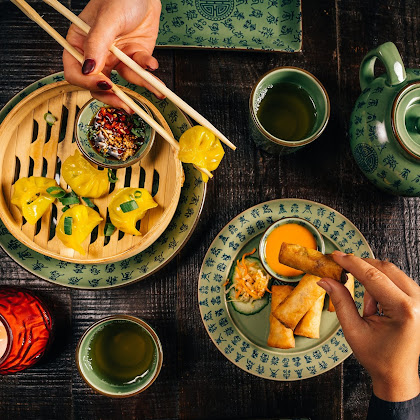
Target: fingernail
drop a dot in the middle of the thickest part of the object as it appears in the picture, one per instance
(152, 68)
(103, 85)
(88, 66)
(326, 286)
(339, 253)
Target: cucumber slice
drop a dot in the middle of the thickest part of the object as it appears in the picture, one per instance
(246, 308)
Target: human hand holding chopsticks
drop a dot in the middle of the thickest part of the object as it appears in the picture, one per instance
(133, 26)
(386, 344)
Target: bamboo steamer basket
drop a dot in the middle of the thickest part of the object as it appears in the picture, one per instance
(28, 146)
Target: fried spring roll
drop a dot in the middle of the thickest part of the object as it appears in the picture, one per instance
(350, 286)
(302, 298)
(280, 336)
(309, 325)
(311, 261)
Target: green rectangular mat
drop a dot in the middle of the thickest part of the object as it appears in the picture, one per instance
(273, 25)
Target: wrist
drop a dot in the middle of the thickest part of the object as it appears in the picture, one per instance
(398, 389)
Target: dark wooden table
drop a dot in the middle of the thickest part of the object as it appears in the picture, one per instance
(197, 381)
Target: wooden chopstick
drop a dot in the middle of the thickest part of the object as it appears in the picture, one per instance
(129, 62)
(33, 15)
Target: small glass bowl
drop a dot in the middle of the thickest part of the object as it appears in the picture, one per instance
(263, 242)
(100, 385)
(81, 131)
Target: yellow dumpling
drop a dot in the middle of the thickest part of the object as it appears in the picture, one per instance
(83, 178)
(198, 145)
(30, 195)
(75, 225)
(129, 205)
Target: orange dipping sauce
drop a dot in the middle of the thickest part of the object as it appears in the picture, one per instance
(291, 233)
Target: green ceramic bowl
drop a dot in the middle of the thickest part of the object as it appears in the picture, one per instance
(302, 79)
(263, 243)
(81, 130)
(95, 381)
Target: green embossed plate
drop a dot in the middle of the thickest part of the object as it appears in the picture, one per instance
(101, 276)
(273, 25)
(242, 339)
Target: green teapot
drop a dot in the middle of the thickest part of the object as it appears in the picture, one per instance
(385, 123)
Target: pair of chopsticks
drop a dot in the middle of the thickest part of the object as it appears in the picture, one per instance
(33, 15)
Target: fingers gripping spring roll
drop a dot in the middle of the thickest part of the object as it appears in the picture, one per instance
(302, 298)
(310, 324)
(350, 286)
(280, 336)
(311, 261)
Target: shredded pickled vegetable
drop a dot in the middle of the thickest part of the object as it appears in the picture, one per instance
(250, 282)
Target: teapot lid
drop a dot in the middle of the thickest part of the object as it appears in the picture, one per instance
(406, 119)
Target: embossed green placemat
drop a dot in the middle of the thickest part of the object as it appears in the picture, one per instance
(272, 25)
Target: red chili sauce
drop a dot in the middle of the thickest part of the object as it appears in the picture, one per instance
(115, 134)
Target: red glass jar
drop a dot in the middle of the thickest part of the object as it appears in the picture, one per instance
(25, 329)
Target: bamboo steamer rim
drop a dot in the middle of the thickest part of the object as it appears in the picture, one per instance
(15, 118)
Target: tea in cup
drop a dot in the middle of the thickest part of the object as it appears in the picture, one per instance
(119, 356)
(289, 108)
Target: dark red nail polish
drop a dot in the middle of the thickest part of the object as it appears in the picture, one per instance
(88, 66)
(104, 85)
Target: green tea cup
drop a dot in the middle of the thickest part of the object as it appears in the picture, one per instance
(303, 80)
(90, 369)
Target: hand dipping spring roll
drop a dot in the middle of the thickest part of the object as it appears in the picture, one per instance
(309, 325)
(349, 285)
(280, 336)
(302, 298)
(311, 261)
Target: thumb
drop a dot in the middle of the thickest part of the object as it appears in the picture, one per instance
(345, 308)
(97, 43)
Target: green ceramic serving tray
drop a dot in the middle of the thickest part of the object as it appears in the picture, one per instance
(243, 338)
(272, 25)
(102, 276)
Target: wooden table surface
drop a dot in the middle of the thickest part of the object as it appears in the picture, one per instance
(197, 381)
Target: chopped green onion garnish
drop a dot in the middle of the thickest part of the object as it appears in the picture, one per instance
(70, 198)
(65, 208)
(129, 206)
(88, 202)
(138, 132)
(112, 176)
(56, 192)
(137, 121)
(49, 118)
(68, 223)
(138, 194)
(109, 229)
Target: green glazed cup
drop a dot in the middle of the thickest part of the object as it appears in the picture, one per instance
(313, 87)
(287, 220)
(100, 385)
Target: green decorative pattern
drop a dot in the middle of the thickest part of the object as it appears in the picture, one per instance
(273, 25)
(374, 146)
(101, 276)
(242, 339)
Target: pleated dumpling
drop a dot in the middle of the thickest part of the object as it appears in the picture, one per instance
(75, 225)
(198, 145)
(129, 205)
(83, 178)
(31, 196)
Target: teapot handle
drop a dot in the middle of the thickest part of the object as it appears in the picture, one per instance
(392, 61)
